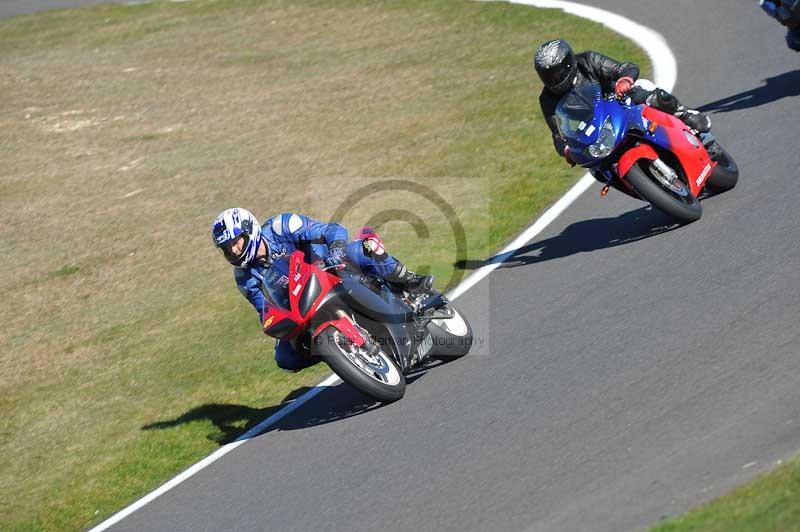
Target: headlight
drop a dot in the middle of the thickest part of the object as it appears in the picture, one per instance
(605, 142)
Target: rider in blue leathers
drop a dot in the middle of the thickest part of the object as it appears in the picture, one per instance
(252, 248)
(787, 12)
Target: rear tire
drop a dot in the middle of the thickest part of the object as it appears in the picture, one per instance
(376, 376)
(686, 209)
(452, 337)
(725, 175)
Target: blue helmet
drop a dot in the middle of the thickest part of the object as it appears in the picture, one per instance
(230, 225)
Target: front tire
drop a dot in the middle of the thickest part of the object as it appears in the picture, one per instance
(375, 375)
(725, 174)
(452, 337)
(682, 206)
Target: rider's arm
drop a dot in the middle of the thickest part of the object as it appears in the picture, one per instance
(608, 70)
(331, 232)
(304, 230)
(548, 102)
(250, 288)
(334, 236)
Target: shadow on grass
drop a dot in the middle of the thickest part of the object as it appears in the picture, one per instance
(584, 236)
(231, 420)
(334, 403)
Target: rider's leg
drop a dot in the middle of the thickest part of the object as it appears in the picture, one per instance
(645, 92)
(370, 255)
(408, 280)
(793, 39)
(289, 359)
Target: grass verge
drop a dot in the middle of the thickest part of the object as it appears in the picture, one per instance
(126, 353)
(769, 503)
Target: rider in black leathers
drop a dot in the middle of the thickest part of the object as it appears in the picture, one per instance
(561, 69)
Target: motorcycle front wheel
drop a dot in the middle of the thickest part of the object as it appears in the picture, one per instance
(676, 201)
(372, 371)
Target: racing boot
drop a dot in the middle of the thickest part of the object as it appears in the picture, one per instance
(696, 120)
(667, 102)
(714, 150)
(401, 278)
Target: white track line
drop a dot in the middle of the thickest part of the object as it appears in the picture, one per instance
(216, 455)
(664, 75)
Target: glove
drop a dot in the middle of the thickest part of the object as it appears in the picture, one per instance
(336, 253)
(568, 157)
(623, 86)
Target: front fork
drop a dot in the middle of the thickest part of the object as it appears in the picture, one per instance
(616, 171)
(665, 174)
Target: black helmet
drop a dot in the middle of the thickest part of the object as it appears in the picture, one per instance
(556, 65)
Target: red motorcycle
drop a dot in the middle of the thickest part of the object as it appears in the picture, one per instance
(369, 335)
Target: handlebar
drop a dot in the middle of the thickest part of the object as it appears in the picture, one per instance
(337, 267)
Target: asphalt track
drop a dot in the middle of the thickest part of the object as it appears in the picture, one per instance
(630, 369)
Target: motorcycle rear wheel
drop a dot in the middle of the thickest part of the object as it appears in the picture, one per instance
(375, 375)
(452, 337)
(685, 209)
(725, 175)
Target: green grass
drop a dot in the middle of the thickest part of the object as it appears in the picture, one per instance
(126, 352)
(65, 271)
(769, 503)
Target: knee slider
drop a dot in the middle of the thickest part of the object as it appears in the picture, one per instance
(373, 248)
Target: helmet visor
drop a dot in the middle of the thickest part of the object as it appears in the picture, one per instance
(235, 249)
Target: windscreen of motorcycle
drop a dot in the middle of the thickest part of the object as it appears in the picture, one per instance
(575, 111)
(275, 285)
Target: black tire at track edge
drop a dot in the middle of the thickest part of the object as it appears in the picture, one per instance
(326, 348)
(661, 199)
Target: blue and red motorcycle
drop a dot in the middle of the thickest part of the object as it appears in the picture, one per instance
(643, 152)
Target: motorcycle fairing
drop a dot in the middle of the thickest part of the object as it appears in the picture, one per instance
(380, 312)
(306, 289)
(676, 137)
